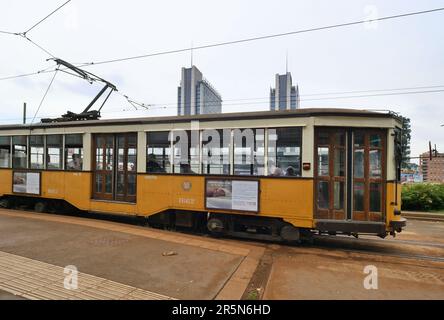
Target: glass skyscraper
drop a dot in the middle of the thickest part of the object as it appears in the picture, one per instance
(196, 95)
(285, 96)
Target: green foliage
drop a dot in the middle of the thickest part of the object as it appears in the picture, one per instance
(405, 141)
(423, 196)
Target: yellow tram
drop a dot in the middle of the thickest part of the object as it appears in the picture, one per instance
(266, 175)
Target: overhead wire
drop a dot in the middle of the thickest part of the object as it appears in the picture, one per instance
(267, 99)
(133, 102)
(268, 36)
(252, 39)
(157, 107)
(44, 96)
(46, 17)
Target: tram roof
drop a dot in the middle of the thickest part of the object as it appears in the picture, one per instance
(302, 112)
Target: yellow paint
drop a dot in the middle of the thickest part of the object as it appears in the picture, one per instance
(5, 181)
(78, 189)
(289, 199)
(390, 207)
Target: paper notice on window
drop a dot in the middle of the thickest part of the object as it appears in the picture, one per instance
(245, 195)
(33, 183)
(26, 182)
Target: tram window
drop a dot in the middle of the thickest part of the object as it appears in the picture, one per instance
(358, 196)
(20, 152)
(158, 152)
(284, 151)
(323, 195)
(216, 151)
(36, 152)
(73, 152)
(54, 151)
(375, 197)
(186, 151)
(323, 161)
(358, 163)
(249, 152)
(5, 151)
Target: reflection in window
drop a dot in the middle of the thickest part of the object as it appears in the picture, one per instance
(186, 152)
(5, 152)
(359, 139)
(284, 151)
(131, 185)
(323, 195)
(109, 154)
(20, 151)
(339, 162)
(358, 163)
(54, 151)
(99, 153)
(74, 151)
(249, 151)
(36, 151)
(323, 138)
(158, 152)
(323, 161)
(375, 140)
(358, 196)
(216, 151)
(375, 197)
(340, 139)
(339, 195)
(375, 164)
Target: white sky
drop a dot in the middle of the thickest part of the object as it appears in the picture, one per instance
(400, 53)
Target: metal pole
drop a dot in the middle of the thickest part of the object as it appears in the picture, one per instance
(24, 112)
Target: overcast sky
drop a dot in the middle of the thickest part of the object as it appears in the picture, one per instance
(401, 53)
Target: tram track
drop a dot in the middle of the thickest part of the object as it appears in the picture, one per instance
(371, 247)
(377, 247)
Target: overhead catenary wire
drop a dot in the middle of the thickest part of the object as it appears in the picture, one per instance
(267, 100)
(38, 46)
(242, 40)
(46, 17)
(404, 15)
(44, 96)
(25, 36)
(156, 107)
(215, 44)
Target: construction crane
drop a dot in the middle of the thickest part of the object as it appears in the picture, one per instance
(86, 114)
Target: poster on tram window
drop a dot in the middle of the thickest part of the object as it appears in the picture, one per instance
(241, 195)
(26, 182)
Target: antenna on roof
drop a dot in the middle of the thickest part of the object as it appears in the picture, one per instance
(191, 53)
(286, 62)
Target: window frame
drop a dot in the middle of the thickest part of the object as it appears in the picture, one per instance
(60, 147)
(9, 152)
(67, 146)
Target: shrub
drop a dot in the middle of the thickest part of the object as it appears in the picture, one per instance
(422, 196)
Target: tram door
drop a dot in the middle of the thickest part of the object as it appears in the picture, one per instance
(349, 174)
(115, 166)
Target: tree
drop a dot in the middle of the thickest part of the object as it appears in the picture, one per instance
(405, 142)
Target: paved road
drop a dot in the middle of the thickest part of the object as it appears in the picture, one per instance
(411, 266)
(167, 263)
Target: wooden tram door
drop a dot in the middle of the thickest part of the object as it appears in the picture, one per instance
(115, 166)
(349, 174)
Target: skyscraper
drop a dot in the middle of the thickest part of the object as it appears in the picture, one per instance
(285, 96)
(196, 95)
